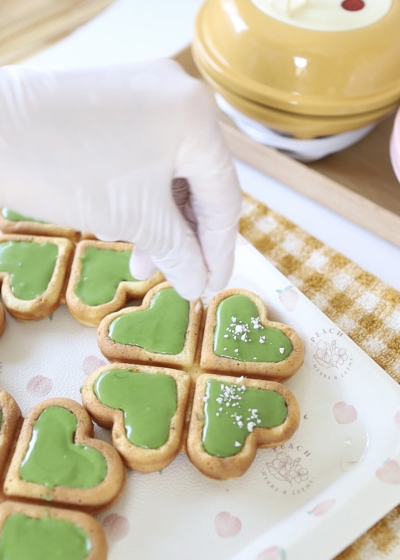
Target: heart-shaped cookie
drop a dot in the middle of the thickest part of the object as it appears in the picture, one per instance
(239, 339)
(162, 331)
(10, 424)
(57, 460)
(54, 459)
(231, 418)
(145, 407)
(33, 272)
(13, 222)
(100, 282)
(43, 533)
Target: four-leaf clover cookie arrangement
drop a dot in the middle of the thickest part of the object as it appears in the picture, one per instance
(179, 379)
(237, 358)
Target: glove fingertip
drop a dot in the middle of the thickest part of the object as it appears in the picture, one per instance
(141, 265)
(218, 283)
(189, 283)
(190, 293)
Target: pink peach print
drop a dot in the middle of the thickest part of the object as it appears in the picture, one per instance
(227, 525)
(271, 553)
(322, 508)
(288, 297)
(116, 526)
(344, 413)
(389, 472)
(90, 363)
(40, 385)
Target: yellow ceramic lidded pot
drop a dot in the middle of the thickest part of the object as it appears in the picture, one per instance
(306, 67)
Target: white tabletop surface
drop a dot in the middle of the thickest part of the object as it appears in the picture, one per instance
(131, 31)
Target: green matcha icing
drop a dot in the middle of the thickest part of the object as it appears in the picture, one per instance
(30, 266)
(29, 538)
(160, 329)
(240, 335)
(232, 411)
(9, 214)
(53, 459)
(101, 273)
(148, 401)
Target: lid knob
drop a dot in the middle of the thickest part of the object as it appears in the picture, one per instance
(288, 7)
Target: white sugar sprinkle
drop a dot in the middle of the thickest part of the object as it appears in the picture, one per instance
(250, 426)
(256, 323)
(237, 444)
(281, 350)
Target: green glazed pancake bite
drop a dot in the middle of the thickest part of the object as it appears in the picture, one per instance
(163, 331)
(33, 273)
(144, 406)
(100, 282)
(56, 459)
(239, 339)
(232, 417)
(45, 533)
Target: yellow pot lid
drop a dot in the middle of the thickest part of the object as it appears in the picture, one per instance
(298, 69)
(296, 124)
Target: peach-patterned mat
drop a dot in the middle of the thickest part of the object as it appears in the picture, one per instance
(359, 303)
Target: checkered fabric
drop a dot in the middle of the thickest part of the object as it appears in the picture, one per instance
(359, 303)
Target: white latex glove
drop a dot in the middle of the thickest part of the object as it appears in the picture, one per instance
(98, 150)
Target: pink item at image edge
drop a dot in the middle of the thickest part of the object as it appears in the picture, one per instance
(395, 146)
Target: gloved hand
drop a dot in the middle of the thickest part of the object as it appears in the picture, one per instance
(98, 150)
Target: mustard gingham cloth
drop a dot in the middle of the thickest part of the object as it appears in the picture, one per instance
(359, 303)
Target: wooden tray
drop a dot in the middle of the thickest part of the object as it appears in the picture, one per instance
(357, 183)
(28, 26)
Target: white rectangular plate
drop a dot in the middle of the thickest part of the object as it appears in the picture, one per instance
(309, 498)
